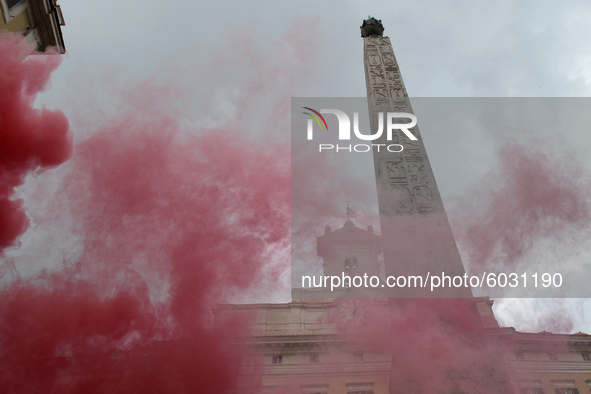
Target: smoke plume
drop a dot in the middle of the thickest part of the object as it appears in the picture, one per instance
(169, 220)
(31, 139)
(533, 194)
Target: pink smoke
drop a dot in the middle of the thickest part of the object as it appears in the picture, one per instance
(30, 138)
(162, 245)
(434, 344)
(537, 195)
(172, 221)
(534, 193)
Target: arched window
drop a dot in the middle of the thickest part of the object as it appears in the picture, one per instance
(351, 265)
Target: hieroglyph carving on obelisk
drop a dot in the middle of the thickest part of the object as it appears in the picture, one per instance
(409, 173)
(416, 231)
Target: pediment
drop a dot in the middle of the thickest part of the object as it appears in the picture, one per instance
(348, 235)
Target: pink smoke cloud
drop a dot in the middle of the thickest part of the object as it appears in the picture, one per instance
(30, 138)
(534, 193)
(170, 221)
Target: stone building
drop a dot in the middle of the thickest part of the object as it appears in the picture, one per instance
(300, 342)
(328, 343)
(547, 363)
(39, 21)
(303, 345)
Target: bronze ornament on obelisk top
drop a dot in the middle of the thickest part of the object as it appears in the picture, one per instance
(372, 27)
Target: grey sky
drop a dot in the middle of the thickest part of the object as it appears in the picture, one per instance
(445, 49)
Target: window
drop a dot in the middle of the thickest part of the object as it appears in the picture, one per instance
(351, 262)
(586, 356)
(277, 359)
(519, 355)
(360, 388)
(314, 358)
(273, 389)
(11, 8)
(358, 357)
(553, 356)
(12, 3)
(321, 388)
(564, 387)
(351, 265)
(530, 387)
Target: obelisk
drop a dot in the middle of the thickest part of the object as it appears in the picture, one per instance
(417, 236)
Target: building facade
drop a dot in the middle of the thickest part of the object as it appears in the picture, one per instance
(39, 21)
(300, 345)
(318, 345)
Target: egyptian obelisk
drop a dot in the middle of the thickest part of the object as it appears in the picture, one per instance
(417, 236)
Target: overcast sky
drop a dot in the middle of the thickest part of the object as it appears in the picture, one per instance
(213, 48)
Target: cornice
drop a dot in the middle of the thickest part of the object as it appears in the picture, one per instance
(549, 366)
(318, 369)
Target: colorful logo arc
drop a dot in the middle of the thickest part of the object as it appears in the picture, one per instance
(315, 118)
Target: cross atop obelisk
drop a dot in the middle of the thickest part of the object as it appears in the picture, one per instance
(417, 236)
